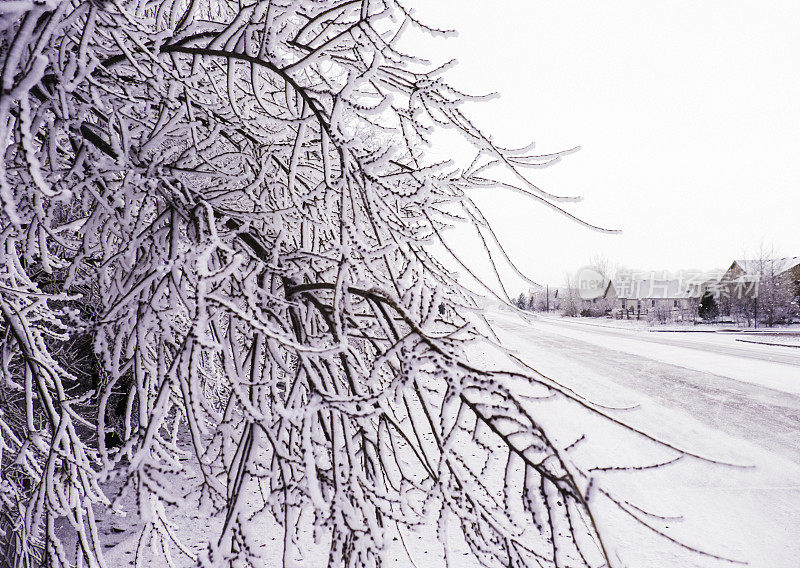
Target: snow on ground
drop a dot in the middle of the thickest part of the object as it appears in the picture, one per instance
(717, 353)
(778, 341)
(750, 514)
(687, 326)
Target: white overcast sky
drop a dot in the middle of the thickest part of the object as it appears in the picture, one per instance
(687, 112)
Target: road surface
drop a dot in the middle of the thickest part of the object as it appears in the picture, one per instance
(767, 416)
(705, 392)
(710, 343)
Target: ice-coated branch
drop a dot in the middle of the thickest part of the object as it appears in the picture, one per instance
(215, 229)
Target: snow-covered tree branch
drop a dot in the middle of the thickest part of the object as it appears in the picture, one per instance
(215, 233)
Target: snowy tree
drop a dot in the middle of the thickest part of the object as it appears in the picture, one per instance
(214, 255)
(794, 304)
(708, 308)
(570, 305)
(775, 291)
(603, 266)
(763, 291)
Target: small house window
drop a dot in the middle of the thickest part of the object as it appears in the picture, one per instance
(624, 304)
(652, 303)
(675, 303)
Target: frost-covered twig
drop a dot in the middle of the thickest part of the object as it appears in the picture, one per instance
(214, 254)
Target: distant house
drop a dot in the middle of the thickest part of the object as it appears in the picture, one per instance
(602, 304)
(663, 299)
(787, 270)
(765, 289)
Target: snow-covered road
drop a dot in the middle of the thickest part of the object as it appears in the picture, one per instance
(767, 416)
(706, 393)
(717, 353)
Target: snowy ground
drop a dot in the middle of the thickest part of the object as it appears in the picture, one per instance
(686, 326)
(707, 393)
(780, 340)
(716, 353)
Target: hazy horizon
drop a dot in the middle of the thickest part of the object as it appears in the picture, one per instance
(686, 113)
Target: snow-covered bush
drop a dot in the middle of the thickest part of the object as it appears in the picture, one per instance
(214, 230)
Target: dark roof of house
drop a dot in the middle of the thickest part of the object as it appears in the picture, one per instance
(775, 265)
